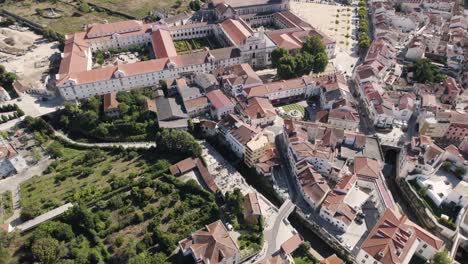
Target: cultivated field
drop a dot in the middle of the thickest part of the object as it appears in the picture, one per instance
(140, 8)
(71, 19)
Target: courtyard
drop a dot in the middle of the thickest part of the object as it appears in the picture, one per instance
(196, 44)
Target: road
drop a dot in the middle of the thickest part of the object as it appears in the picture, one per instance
(13, 183)
(271, 235)
(145, 145)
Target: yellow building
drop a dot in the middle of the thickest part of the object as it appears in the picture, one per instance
(255, 149)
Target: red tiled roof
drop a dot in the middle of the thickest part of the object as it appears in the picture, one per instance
(111, 28)
(236, 30)
(366, 167)
(110, 101)
(163, 46)
(211, 244)
(251, 204)
(218, 99)
(392, 238)
(7, 151)
(291, 244)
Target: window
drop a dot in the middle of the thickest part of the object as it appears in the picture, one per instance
(425, 245)
(366, 256)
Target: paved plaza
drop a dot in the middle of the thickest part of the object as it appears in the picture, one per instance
(324, 17)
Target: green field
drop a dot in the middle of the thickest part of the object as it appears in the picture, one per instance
(140, 8)
(134, 204)
(6, 206)
(72, 19)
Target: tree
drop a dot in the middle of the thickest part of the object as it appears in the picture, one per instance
(235, 201)
(363, 26)
(30, 211)
(9, 77)
(2, 71)
(425, 72)
(320, 62)
(177, 142)
(55, 149)
(313, 45)
(276, 55)
(195, 5)
(287, 67)
(92, 103)
(362, 4)
(123, 108)
(46, 250)
(362, 13)
(441, 257)
(304, 63)
(163, 85)
(364, 41)
(84, 7)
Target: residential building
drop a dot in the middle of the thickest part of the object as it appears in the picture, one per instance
(236, 134)
(255, 149)
(221, 105)
(111, 105)
(258, 112)
(395, 239)
(252, 210)
(211, 244)
(10, 160)
(312, 185)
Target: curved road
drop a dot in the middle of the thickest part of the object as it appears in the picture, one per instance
(270, 235)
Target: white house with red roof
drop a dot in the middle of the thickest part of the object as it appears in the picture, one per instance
(395, 239)
(221, 105)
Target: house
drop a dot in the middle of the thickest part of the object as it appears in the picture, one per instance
(252, 211)
(395, 239)
(111, 105)
(344, 117)
(190, 164)
(416, 49)
(221, 105)
(312, 185)
(237, 78)
(290, 245)
(258, 112)
(10, 160)
(206, 81)
(211, 244)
